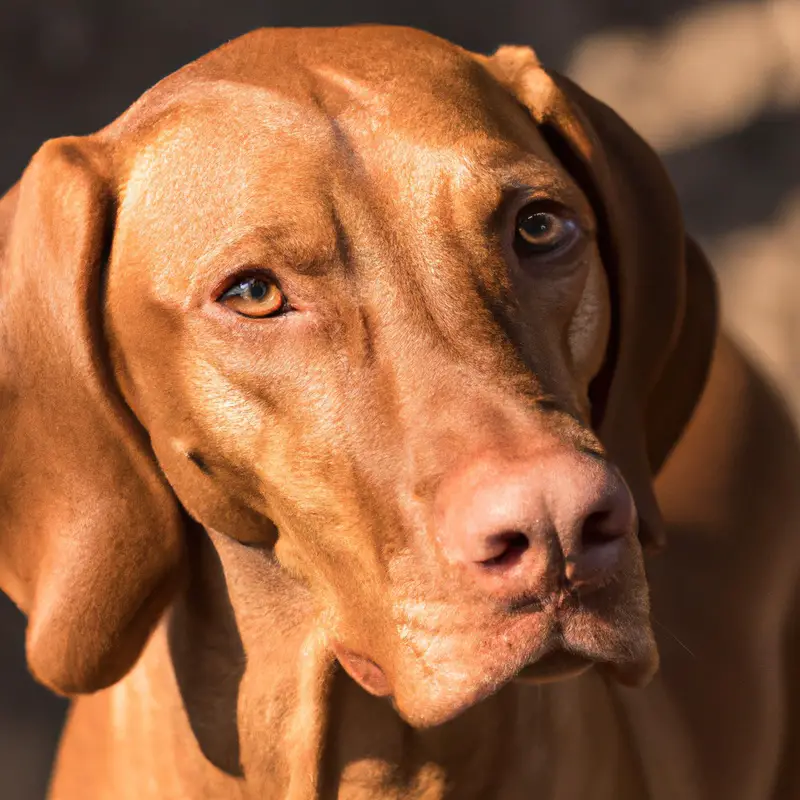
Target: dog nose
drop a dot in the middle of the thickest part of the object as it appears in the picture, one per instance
(529, 526)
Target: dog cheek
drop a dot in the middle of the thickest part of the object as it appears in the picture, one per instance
(589, 327)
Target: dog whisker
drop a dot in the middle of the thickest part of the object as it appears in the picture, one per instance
(673, 636)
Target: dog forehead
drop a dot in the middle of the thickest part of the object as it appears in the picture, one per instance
(380, 75)
(241, 145)
(275, 123)
(227, 161)
(384, 58)
(219, 129)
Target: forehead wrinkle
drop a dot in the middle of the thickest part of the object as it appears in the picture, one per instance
(353, 91)
(194, 178)
(158, 110)
(444, 254)
(249, 117)
(411, 169)
(308, 255)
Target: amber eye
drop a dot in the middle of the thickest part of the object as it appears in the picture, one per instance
(543, 232)
(254, 297)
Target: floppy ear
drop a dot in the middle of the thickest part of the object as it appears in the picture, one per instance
(663, 293)
(90, 534)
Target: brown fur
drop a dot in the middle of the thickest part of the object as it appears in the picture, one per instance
(201, 512)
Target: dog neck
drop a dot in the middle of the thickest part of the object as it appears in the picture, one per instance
(246, 715)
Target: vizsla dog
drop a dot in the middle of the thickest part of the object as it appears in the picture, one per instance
(346, 378)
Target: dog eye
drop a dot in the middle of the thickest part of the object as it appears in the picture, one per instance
(543, 232)
(255, 297)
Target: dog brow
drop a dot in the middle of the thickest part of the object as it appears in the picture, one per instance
(307, 255)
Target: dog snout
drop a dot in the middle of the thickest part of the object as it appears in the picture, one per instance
(529, 527)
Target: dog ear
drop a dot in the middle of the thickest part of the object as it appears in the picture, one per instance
(663, 293)
(90, 533)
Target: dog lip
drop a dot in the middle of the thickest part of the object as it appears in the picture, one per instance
(557, 664)
(526, 603)
(562, 600)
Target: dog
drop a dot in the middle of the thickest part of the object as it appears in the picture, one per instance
(347, 378)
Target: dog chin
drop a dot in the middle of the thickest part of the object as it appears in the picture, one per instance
(441, 704)
(430, 711)
(431, 693)
(438, 708)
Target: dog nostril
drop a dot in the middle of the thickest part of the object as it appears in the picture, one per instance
(508, 548)
(598, 553)
(597, 530)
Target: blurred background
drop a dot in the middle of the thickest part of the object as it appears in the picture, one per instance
(714, 86)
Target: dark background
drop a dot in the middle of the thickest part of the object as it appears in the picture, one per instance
(714, 86)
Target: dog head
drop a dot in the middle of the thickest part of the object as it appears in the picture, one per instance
(416, 324)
